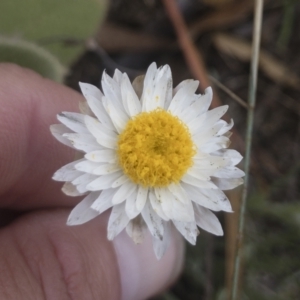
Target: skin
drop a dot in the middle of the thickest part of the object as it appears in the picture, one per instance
(41, 257)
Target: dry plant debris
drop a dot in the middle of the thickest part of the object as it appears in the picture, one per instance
(272, 67)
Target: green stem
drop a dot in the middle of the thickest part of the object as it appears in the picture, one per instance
(250, 117)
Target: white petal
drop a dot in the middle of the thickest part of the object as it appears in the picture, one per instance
(135, 229)
(118, 220)
(226, 127)
(112, 90)
(164, 200)
(183, 97)
(213, 199)
(106, 155)
(183, 212)
(117, 115)
(84, 179)
(104, 136)
(212, 116)
(206, 220)
(148, 85)
(227, 183)
(87, 166)
(178, 192)
(106, 169)
(205, 136)
(229, 172)
(142, 197)
(123, 192)
(117, 76)
(67, 172)
(187, 178)
(189, 113)
(169, 92)
(204, 172)
(83, 142)
(104, 182)
(181, 85)
(188, 230)
(200, 173)
(205, 100)
(131, 102)
(130, 206)
(81, 188)
(85, 109)
(83, 212)
(58, 130)
(99, 111)
(71, 190)
(208, 162)
(119, 181)
(198, 197)
(156, 206)
(234, 156)
(73, 121)
(160, 246)
(214, 144)
(103, 202)
(153, 221)
(90, 90)
(173, 208)
(198, 106)
(196, 124)
(161, 89)
(218, 196)
(63, 175)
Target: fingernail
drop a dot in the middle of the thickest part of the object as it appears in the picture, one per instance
(141, 274)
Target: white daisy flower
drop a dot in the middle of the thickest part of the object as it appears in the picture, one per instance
(153, 154)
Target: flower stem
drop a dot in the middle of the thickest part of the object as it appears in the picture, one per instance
(250, 117)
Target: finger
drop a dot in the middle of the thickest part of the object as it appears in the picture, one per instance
(142, 275)
(29, 155)
(42, 258)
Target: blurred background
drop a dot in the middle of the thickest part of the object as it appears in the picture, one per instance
(70, 41)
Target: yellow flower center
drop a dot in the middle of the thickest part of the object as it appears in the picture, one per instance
(155, 149)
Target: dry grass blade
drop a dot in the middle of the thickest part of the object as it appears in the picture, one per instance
(271, 66)
(258, 15)
(229, 92)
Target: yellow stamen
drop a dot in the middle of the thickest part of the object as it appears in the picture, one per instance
(155, 149)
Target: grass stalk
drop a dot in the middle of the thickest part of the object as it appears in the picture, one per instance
(258, 10)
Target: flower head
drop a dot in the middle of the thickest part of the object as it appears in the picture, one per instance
(155, 155)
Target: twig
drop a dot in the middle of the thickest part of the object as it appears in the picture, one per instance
(229, 92)
(251, 100)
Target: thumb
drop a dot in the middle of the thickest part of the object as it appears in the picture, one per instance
(42, 258)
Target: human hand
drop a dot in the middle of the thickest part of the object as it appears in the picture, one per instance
(41, 257)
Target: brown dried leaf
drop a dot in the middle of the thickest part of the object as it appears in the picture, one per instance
(270, 65)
